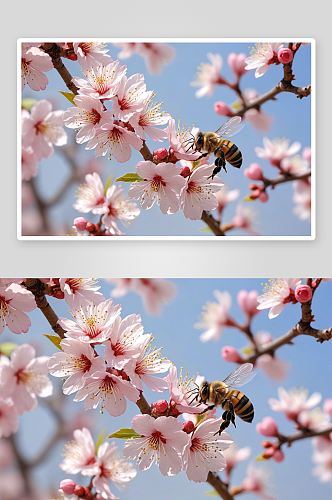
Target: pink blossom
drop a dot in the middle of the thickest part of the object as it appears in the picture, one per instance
(42, 129)
(81, 291)
(263, 197)
(34, 63)
(85, 116)
(285, 56)
(179, 143)
(306, 154)
(116, 138)
(145, 120)
(225, 196)
(230, 354)
(203, 452)
(248, 302)
(323, 460)
(294, 401)
(14, 299)
(8, 417)
(93, 323)
(277, 150)
(314, 419)
(208, 75)
(76, 363)
(295, 165)
(237, 63)
(221, 108)
(302, 199)
(29, 163)
(233, 455)
(267, 427)
(113, 469)
(162, 182)
(124, 285)
(182, 391)
(118, 207)
(303, 293)
(273, 366)
(24, 378)
(102, 82)
(277, 294)
(91, 53)
(130, 97)
(254, 172)
(80, 454)
(245, 219)
(91, 195)
(198, 193)
(262, 57)
(155, 293)
(68, 486)
(259, 119)
(257, 481)
(80, 223)
(215, 317)
(142, 368)
(327, 407)
(108, 389)
(156, 55)
(162, 441)
(125, 342)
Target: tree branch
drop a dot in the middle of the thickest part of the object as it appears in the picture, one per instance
(54, 51)
(304, 434)
(214, 480)
(212, 223)
(285, 178)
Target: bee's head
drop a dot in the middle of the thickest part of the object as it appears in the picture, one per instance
(204, 392)
(199, 141)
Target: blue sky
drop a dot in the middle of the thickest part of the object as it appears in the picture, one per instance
(310, 367)
(292, 119)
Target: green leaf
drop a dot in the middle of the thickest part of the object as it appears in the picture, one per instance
(248, 198)
(68, 95)
(212, 493)
(7, 348)
(27, 103)
(100, 440)
(124, 434)
(54, 339)
(247, 349)
(205, 229)
(130, 177)
(108, 183)
(259, 458)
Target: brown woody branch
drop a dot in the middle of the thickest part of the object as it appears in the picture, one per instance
(221, 488)
(55, 52)
(285, 178)
(304, 434)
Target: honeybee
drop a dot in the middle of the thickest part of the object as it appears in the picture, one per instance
(223, 149)
(232, 401)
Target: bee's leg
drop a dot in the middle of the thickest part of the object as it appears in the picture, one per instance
(220, 159)
(207, 409)
(228, 418)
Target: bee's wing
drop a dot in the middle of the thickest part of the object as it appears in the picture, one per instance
(240, 376)
(231, 127)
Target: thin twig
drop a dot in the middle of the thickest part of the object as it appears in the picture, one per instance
(305, 434)
(221, 488)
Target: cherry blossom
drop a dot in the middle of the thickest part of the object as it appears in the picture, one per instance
(302, 199)
(80, 454)
(8, 417)
(81, 291)
(295, 165)
(145, 121)
(91, 53)
(273, 366)
(24, 378)
(118, 207)
(259, 119)
(111, 468)
(85, 116)
(102, 82)
(142, 368)
(182, 391)
(278, 149)
(262, 57)
(126, 340)
(179, 143)
(208, 76)
(77, 362)
(34, 63)
(93, 323)
(130, 97)
(110, 389)
(162, 441)
(29, 163)
(42, 129)
(162, 182)
(248, 302)
(277, 294)
(225, 196)
(215, 316)
(114, 137)
(198, 193)
(203, 452)
(292, 402)
(323, 460)
(237, 63)
(14, 299)
(154, 292)
(245, 219)
(156, 55)
(257, 481)
(314, 419)
(91, 195)
(233, 455)
(124, 285)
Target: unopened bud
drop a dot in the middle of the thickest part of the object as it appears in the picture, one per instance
(268, 453)
(188, 426)
(266, 444)
(263, 197)
(160, 406)
(222, 109)
(303, 293)
(230, 354)
(185, 171)
(79, 490)
(160, 154)
(90, 227)
(278, 456)
(68, 486)
(267, 427)
(80, 223)
(285, 56)
(254, 172)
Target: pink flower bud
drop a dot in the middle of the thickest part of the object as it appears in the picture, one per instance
(306, 154)
(278, 455)
(285, 56)
(237, 63)
(185, 171)
(327, 407)
(188, 426)
(79, 490)
(90, 227)
(303, 293)
(263, 197)
(255, 194)
(248, 302)
(230, 354)
(68, 486)
(80, 223)
(160, 154)
(160, 406)
(267, 427)
(254, 172)
(268, 453)
(266, 444)
(222, 109)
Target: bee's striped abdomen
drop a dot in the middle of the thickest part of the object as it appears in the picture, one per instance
(243, 407)
(232, 153)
